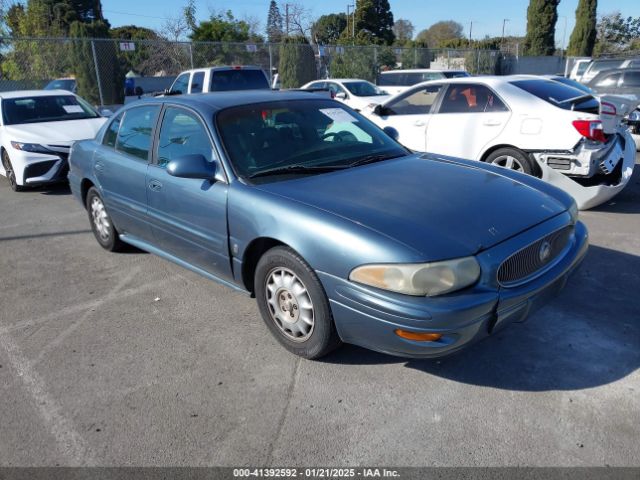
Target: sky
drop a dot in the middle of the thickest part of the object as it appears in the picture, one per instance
(487, 15)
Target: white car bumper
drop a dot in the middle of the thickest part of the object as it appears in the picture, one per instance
(37, 168)
(592, 191)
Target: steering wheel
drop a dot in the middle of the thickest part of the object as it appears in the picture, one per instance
(340, 136)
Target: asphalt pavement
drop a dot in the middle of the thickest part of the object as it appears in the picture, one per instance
(127, 359)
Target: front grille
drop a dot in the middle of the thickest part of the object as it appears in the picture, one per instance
(531, 260)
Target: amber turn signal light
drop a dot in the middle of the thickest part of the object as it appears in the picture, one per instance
(418, 337)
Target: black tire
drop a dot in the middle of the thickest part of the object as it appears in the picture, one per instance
(322, 336)
(10, 174)
(518, 158)
(105, 233)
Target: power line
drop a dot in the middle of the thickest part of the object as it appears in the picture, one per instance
(134, 14)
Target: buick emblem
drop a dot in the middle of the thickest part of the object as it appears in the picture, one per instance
(545, 251)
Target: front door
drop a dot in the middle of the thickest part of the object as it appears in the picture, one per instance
(409, 115)
(469, 117)
(188, 216)
(121, 165)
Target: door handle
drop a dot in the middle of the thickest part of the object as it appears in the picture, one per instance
(99, 166)
(492, 123)
(155, 185)
(419, 123)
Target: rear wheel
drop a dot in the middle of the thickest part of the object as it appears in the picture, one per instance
(10, 173)
(293, 304)
(514, 159)
(101, 224)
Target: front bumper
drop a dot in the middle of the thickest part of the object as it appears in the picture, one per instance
(39, 169)
(368, 317)
(594, 189)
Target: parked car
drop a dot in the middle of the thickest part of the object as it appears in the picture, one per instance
(533, 125)
(620, 81)
(341, 233)
(603, 64)
(356, 93)
(68, 83)
(397, 81)
(580, 65)
(220, 79)
(36, 132)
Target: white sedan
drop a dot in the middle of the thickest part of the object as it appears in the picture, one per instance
(358, 94)
(37, 129)
(534, 125)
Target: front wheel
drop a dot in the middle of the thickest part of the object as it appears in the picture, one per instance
(10, 173)
(101, 224)
(514, 159)
(294, 305)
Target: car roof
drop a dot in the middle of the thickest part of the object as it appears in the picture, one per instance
(420, 70)
(223, 67)
(34, 93)
(342, 80)
(220, 100)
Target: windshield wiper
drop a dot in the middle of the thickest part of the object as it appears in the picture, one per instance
(296, 169)
(374, 158)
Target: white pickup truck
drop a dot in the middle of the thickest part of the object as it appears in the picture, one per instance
(220, 79)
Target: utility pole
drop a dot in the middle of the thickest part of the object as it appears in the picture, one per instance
(504, 22)
(353, 24)
(470, 30)
(286, 17)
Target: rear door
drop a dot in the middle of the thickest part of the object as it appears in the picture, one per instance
(188, 216)
(121, 164)
(469, 117)
(409, 115)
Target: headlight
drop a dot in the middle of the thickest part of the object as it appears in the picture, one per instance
(420, 279)
(573, 211)
(635, 116)
(30, 147)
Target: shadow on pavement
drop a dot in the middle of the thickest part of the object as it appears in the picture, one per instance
(587, 337)
(54, 189)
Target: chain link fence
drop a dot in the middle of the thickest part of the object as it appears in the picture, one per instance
(101, 66)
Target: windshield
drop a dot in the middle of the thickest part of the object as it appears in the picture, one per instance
(363, 89)
(50, 108)
(68, 84)
(224, 80)
(300, 137)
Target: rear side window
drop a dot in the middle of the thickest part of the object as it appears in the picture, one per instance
(469, 98)
(608, 80)
(136, 128)
(238, 80)
(111, 134)
(559, 95)
(600, 65)
(196, 82)
(631, 79)
(390, 79)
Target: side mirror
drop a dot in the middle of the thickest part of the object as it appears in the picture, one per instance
(341, 95)
(192, 166)
(392, 132)
(379, 110)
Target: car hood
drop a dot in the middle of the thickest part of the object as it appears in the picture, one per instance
(63, 132)
(433, 205)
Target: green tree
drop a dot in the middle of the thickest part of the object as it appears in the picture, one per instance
(297, 64)
(375, 18)
(441, 32)
(415, 54)
(328, 28)
(108, 72)
(542, 16)
(583, 37)
(386, 58)
(403, 31)
(221, 28)
(274, 23)
(353, 62)
(140, 59)
(617, 34)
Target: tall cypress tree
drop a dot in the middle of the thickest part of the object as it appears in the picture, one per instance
(374, 17)
(542, 16)
(583, 37)
(274, 23)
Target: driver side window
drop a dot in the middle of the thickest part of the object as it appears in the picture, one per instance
(182, 133)
(416, 103)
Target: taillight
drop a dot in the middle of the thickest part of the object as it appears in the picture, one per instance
(590, 129)
(607, 108)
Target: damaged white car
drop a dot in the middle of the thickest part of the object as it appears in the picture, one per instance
(533, 125)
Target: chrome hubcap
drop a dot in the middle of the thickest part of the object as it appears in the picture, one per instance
(289, 304)
(100, 218)
(507, 161)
